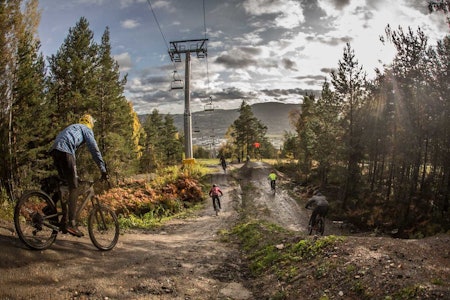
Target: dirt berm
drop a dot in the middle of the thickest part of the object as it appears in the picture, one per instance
(189, 259)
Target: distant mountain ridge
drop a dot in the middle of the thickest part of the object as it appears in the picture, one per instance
(274, 115)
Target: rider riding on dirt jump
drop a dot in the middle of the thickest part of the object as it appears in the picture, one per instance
(214, 194)
(321, 206)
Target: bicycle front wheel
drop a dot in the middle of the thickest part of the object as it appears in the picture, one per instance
(32, 225)
(103, 227)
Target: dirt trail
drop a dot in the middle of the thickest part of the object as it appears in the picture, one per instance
(183, 259)
(279, 208)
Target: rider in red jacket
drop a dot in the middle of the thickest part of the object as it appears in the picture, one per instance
(214, 194)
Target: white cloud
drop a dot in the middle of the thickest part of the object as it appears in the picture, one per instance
(290, 13)
(253, 44)
(163, 4)
(129, 24)
(127, 3)
(124, 61)
(95, 2)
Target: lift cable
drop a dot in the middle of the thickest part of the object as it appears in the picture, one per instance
(204, 28)
(160, 30)
(209, 106)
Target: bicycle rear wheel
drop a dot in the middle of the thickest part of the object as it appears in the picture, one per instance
(103, 227)
(32, 225)
(311, 228)
(320, 226)
(216, 205)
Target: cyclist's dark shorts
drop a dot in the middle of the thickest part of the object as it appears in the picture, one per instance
(322, 210)
(67, 169)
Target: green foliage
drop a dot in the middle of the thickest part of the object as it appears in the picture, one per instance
(6, 206)
(246, 130)
(22, 96)
(255, 234)
(267, 248)
(151, 219)
(412, 292)
(438, 281)
(308, 249)
(383, 139)
(162, 145)
(84, 78)
(200, 152)
(145, 202)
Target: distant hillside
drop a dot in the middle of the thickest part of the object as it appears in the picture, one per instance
(207, 123)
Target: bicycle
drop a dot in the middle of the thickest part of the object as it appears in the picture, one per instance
(273, 186)
(318, 227)
(216, 204)
(38, 220)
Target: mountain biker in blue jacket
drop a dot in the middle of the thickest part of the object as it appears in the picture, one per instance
(321, 206)
(63, 152)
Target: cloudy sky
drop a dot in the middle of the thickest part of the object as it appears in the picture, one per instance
(258, 50)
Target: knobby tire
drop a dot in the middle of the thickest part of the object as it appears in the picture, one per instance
(103, 227)
(32, 225)
(319, 227)
(216, 205)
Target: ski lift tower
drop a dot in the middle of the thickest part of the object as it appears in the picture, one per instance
(177, 48)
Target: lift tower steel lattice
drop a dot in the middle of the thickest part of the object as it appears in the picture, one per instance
(177, 48)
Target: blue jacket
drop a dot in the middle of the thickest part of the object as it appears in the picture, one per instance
(73, 136)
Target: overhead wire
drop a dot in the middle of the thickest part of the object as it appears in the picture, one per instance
(206, 56)
(168, 49)
(160, 30)
(157, 23)
(207, 81)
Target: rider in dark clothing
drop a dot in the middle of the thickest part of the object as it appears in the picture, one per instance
(223, 162)
(321, 203)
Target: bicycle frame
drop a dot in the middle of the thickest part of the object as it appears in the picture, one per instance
(63, 191)
(37, 218)
(319, 224)
(88, 194)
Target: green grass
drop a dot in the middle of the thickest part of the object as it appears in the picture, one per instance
(6, 209)
(150, 220)
(268, 248)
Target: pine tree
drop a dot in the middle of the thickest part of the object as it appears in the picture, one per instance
(151, 158)
(162, 146)
(116, 116)
(248, 130)
(84, 78)
(30, 118)
(171, 143)
(306, 134)
(72, 76)
(349, 82)
(21, 94)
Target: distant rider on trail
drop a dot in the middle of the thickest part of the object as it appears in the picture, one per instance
(321, 206)
(272, 179)
(223, 162)
(214, 194)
